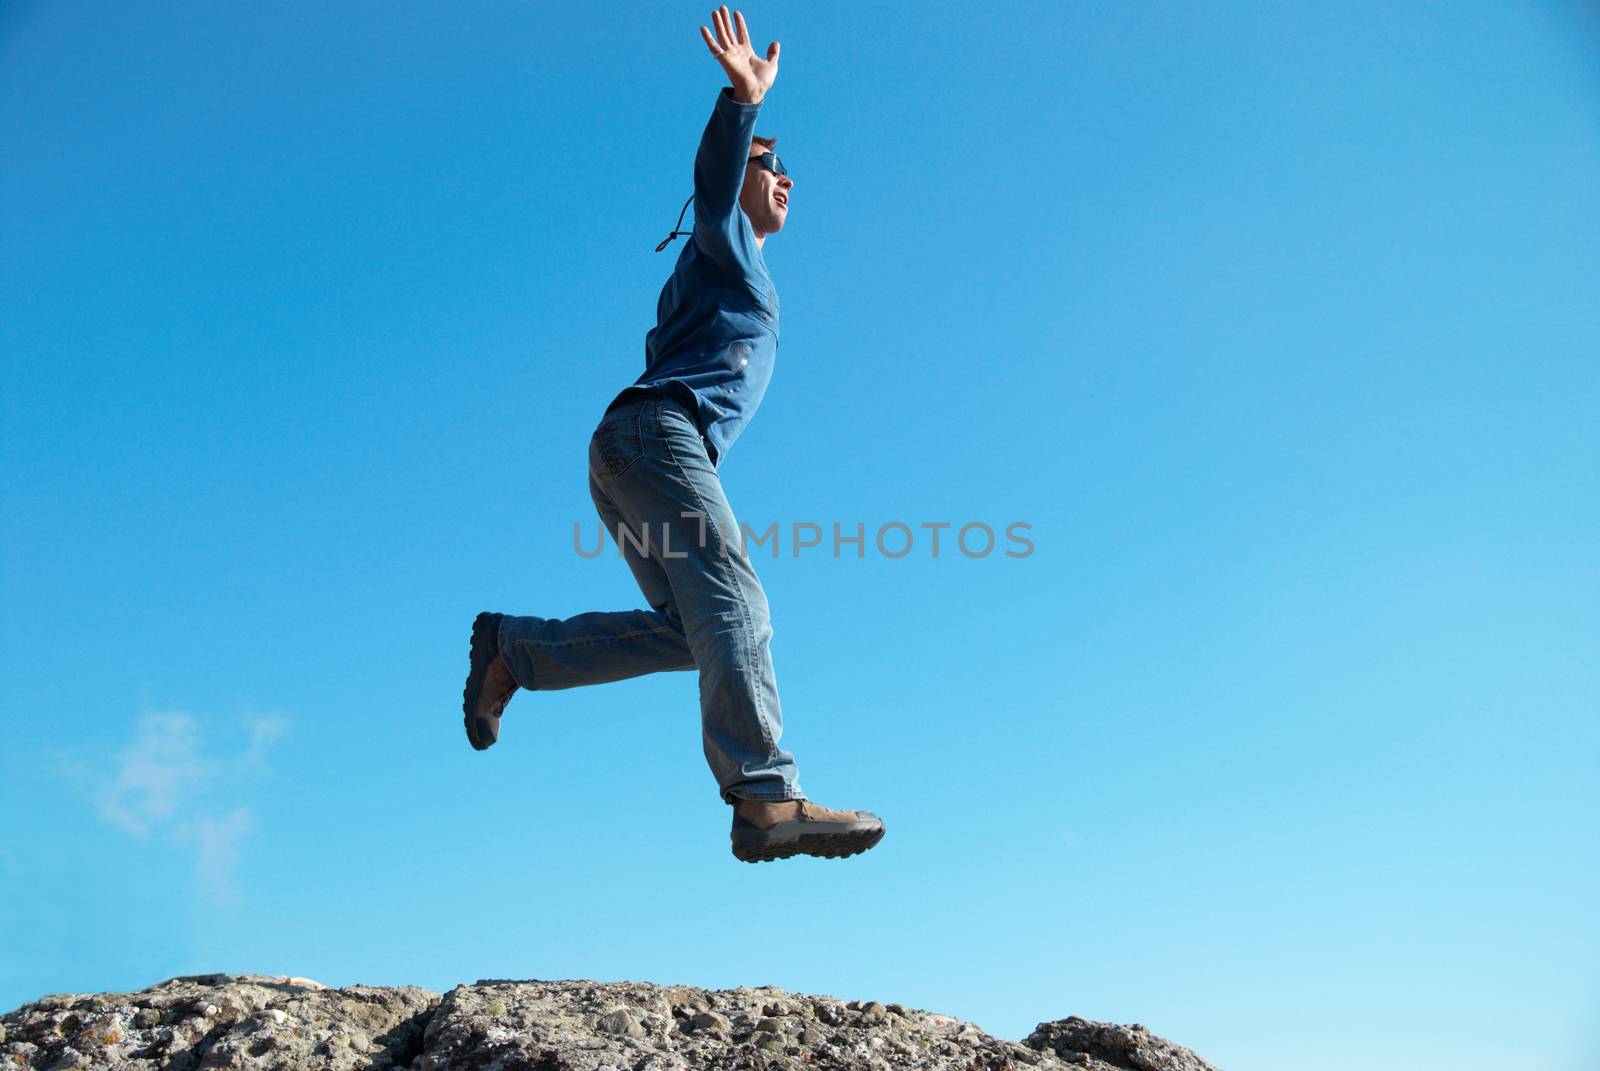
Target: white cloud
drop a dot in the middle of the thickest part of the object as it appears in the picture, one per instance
(265, 731)
(155, 774)
(217, 859)
(164, 780)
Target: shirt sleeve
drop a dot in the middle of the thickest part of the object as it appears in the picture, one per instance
(719, 168)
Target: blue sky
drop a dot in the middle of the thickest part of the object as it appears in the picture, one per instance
(1277, 324)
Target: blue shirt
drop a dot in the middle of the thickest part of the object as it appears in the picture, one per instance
(716, 334)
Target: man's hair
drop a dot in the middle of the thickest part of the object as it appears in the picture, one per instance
(765, 143)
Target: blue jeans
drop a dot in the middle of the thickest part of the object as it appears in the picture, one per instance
(652, 480)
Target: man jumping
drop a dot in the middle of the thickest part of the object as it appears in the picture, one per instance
(653, 476)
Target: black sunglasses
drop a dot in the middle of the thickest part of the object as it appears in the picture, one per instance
(767, 160)
(771, 162)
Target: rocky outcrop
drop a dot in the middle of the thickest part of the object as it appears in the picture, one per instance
(1107, 1045)
(222, 1021)
(248, 1022)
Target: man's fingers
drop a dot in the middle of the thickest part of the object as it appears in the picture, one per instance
(728, 39)
(772, 52)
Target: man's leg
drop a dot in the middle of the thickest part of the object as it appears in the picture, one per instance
(544, 654)
(666, 486)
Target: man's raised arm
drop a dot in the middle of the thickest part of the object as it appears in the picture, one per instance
(719, 171)
(719, 165)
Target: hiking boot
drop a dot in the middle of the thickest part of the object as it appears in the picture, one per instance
(777, 829)
(489, 684)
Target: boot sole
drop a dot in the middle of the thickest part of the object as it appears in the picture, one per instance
(485, 641)
(828, 840)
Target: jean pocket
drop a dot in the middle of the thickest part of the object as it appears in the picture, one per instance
(616, 444)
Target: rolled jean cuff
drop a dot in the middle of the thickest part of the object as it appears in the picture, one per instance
(765, 797)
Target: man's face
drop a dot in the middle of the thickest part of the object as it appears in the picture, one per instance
(765, 197)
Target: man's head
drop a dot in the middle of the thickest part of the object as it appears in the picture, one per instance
(765, 196)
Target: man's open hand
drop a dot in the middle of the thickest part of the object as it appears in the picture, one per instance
(749, 74)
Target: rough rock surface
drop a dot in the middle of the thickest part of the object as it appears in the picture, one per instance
(222, 1021)
(249, 1022)
(1109, 1045)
